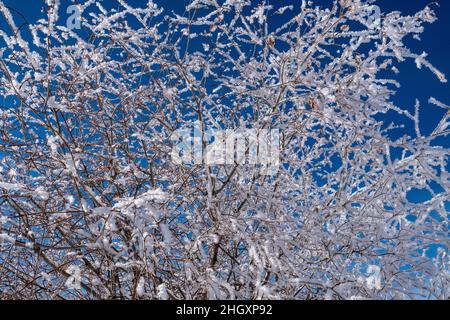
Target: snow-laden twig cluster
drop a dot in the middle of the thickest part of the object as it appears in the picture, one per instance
(90, 194)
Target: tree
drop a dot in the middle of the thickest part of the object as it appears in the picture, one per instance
(93, 206)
